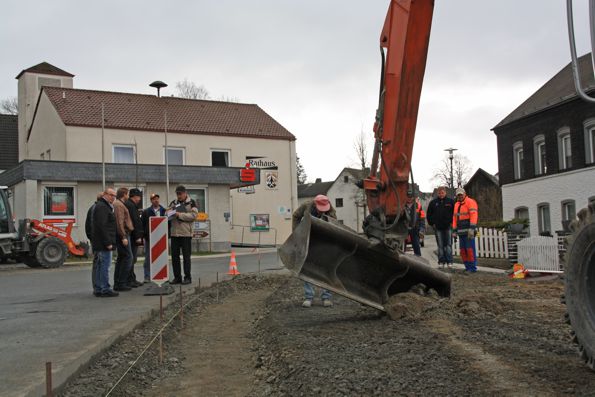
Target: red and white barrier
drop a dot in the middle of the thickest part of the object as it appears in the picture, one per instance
(158, 254)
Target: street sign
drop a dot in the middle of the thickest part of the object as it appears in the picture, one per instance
(158, 249)
(247, 174)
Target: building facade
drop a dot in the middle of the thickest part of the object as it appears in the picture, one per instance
(546, 154)
(207, 142)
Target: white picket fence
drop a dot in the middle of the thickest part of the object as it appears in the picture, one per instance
(539, 254)
(490, 243)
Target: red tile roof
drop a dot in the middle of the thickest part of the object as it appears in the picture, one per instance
(126, 111)
(46, 68)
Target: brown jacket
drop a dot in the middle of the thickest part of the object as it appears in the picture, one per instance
(307, 208)
(124, 224)
(181, 226)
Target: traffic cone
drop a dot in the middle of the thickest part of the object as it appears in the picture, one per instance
(233, 266)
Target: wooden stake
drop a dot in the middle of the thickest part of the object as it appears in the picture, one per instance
(48, 379)
(161, 329)
(217, 284)
(181, 308)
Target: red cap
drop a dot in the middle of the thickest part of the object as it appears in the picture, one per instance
(322, 203)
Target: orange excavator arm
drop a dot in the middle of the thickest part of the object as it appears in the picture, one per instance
(404, 47)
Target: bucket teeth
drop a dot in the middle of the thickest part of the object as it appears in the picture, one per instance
(336, 258)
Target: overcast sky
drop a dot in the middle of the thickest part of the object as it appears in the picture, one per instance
(313, 65)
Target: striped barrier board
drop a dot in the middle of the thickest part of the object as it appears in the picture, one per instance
(158, 254)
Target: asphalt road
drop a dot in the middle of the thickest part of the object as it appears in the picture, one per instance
(51, 315)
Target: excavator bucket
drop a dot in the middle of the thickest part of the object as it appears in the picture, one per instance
(334, 257)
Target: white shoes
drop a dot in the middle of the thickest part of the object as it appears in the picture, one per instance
(325, 303)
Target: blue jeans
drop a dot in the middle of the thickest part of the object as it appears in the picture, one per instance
(104, 260)
(414, 236)
(444, 241)
(94, 272)
(309, 292)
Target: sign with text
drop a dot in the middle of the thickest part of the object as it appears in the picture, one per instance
(259, 222)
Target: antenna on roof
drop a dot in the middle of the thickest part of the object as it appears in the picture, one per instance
(159, 85)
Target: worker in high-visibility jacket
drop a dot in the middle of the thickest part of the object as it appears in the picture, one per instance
(464, 225)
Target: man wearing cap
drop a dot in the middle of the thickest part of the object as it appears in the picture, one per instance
(181, 233)
(136, 237)
(464, 224)
(155, 209)
(320, 207)
(417, 222)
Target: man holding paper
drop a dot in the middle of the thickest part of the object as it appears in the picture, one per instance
(182, 214)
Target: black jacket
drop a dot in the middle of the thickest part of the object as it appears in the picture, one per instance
(134, 215)
(89, 222)
(104, 226)
(439, 213)
(147, 213)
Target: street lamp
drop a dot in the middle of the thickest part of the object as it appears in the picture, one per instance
(450, 157)
(159, 85)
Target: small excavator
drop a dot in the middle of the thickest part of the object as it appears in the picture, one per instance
(370, 269)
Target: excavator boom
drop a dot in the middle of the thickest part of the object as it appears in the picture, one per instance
(369, 269)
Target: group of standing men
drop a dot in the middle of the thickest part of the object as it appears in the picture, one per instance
(458, 219)
(114, 223)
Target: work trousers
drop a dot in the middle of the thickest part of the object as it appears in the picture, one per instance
(184, 244)
(468, 252)
(123, 263)
(444, 242)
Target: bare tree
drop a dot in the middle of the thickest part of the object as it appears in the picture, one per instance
(301, 172)
(188, 89)
(9, 105)
(461, 171)
(361, 150)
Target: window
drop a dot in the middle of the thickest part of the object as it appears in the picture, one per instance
(123, 154)
(338, 202)
(543, 214)
(518, 163)
(58, 202)
(200, 198)
(568, 210)
(564, 149)
(539, 154)
(175, 155)
(346, 179)
(590, 141)
(521, 213)
(220, 158)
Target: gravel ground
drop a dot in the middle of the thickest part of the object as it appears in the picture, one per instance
(493, 336)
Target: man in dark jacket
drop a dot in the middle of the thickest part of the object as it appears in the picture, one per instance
(417, 225)
(104, 240)
(439, 216)
(89, 233)
(136, 238)
(155, 209)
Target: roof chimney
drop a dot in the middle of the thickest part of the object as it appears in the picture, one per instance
(318, 180)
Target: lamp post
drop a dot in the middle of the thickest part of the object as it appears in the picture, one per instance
(450, 157)
(159, 85)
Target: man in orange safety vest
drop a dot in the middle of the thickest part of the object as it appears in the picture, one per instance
(464, 224)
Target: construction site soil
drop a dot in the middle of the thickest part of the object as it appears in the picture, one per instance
(250, 337)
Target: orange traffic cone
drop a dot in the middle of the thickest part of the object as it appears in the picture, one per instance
(233, 266)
